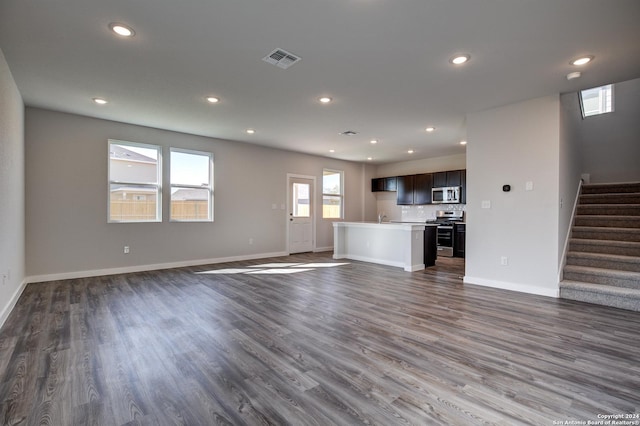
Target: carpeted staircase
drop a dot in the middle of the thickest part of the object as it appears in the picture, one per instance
(603, 261)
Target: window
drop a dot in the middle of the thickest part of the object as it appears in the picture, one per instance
(332, 194)
(135, 176)
(596, 101)
(191, 186)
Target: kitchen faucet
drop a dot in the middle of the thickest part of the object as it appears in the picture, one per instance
(381, 217)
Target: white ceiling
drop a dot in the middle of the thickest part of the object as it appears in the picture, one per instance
(384, 63)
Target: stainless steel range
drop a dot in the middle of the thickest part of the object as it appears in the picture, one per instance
(445, 219)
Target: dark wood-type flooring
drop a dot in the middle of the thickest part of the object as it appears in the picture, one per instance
(351, 344)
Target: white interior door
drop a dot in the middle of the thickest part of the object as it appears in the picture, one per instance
(301, 192)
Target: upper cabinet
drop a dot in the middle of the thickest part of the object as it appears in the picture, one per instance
(416, 189)
(422, 190)
(405, 186)
(383, 184)
(449, 178)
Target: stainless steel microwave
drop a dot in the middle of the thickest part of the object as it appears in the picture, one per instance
(447, 195)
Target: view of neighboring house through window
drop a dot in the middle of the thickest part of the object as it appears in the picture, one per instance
(191, 185)
(134, 182)
(598, 100)
(332, 194)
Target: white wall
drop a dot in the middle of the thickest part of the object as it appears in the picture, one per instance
(12, 225)
(426, 165)
(611, 142)
(66, 202)
(512, 145)
(570, 168)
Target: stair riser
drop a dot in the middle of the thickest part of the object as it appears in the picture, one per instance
(606, 235)
(604, 249)
(608, 189)
(610, 199)
(607, 209)
(601, 299)
(599, 279)
(604, 264)
(609, 222)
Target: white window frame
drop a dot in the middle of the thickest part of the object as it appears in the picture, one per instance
(605, 99)
(155, 185)
(182, 186)
(341, 195)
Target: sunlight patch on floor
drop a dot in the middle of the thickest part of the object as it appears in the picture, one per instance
(274, 268)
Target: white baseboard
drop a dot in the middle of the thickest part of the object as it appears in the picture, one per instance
(321, 249)
(6, 310)
(152, 267)
(371, 260)
(522, 288)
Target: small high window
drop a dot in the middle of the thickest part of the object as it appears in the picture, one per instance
(596, 101)
(332, 194)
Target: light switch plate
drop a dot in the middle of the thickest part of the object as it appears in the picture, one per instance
(486, 204)
(529, 186)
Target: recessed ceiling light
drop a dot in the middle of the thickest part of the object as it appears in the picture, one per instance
(430, 129)
(332, 150)
(459, 59)
(582, 60)
(251, 131)
(463, 142)
(213, 99)
(410, 151)
(374, 141)
(369, 158)
(122, 30)
(325, 99)
(100, 101)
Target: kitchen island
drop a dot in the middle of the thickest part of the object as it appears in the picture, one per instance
(393, 244)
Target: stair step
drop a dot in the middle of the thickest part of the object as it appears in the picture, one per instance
(617, 297)
(606, 233)
(600, 188)
(608, 221)
(624, 198)
(625, 248)
(604, 261)
(609, 209)
(602, 276)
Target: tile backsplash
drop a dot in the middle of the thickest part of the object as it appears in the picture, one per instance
(386, 203)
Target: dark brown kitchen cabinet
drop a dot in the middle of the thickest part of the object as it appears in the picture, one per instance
(414, 189)
(390, 184)
(430, 245)
(459, 236)
(422, 188)
(383, 184)
(404, 188)
(440, 179)
(448, 178)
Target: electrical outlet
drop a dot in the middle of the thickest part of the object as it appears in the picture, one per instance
(504, 261)
(126, 249)
(5, 278)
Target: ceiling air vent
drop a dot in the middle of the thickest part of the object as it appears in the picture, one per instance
(281, 58)
(349, 133)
